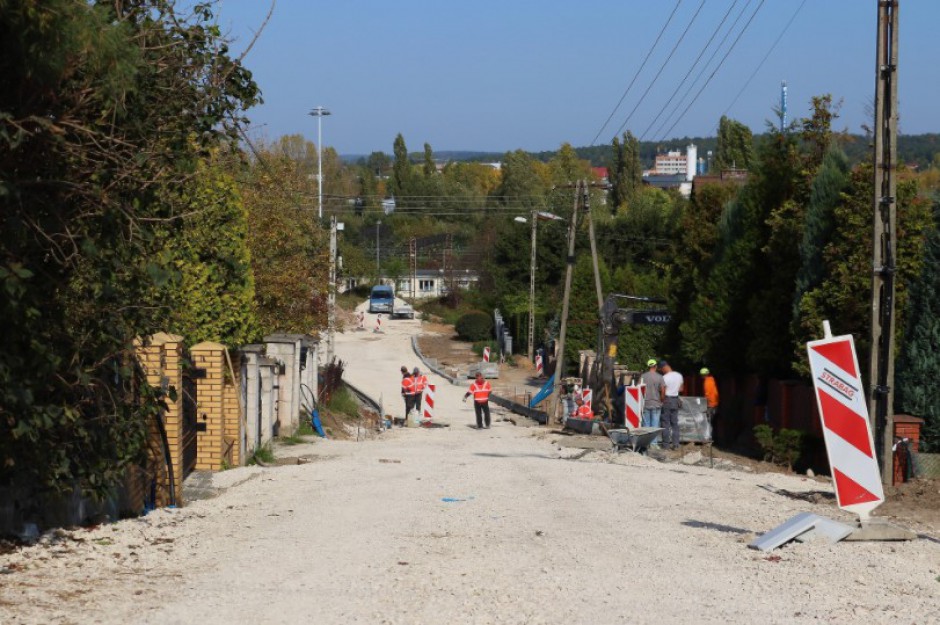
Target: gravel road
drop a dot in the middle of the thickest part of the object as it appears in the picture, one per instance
(458, 525)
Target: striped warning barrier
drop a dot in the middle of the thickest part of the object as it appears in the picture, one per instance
(633, 406)
(428, 410)
(539, 368)
(587, 395)
(486, 354)
(846, 429)
(378, 323)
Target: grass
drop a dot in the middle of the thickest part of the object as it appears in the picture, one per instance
(344, 403)
(264, 454)
(303, 430)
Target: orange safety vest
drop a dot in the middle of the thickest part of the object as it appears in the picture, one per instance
(481, 392)
(584, 412)
(711, 391)
(407, 385)
(420, 383)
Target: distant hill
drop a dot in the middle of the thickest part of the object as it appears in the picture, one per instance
(914, 150)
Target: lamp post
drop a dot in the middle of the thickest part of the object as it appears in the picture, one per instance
(319, 113)
(536, 215)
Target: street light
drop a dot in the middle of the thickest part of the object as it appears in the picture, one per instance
(319, 113)
(536, 216)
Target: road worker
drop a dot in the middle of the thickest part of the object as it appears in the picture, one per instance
(582, 409)
(421, 383)
(480, 389)
(674, 385)
(407, 392)
(711, 396)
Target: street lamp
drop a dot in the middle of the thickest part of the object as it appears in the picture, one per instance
(536, 216)
(319, 113)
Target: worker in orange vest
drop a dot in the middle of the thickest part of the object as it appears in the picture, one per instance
(407, 392)
(582, 410)
(421, 383)
(480, 389)
(711, 394)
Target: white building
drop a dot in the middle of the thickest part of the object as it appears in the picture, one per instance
(427, 283)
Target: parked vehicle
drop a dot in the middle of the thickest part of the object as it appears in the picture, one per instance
(382, 299)
(403, 311)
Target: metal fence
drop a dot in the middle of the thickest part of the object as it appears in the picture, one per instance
(910, 464)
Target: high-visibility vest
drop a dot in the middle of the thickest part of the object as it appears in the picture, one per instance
(407, 385)
(421, 382)
(711, 391)
(481, 392)
(584, 412)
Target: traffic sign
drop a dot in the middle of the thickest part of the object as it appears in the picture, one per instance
(846, 428)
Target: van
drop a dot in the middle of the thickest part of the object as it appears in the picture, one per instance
(381, 299)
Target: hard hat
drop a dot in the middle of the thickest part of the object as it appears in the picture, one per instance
(651, 362)
(705, 371)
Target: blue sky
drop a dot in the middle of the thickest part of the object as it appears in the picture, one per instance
(498, 76)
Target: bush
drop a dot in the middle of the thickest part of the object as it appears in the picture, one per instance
(475, 326)
(782, 448)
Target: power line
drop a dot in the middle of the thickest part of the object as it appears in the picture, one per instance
(662, 67)
(701, 73)
(761, 64)
(684, 78)
(712, 75)
(637, 74)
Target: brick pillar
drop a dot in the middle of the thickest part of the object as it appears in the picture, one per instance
(232, 414)
(209, 357)
(160, 358)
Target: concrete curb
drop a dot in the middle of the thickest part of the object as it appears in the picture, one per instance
(365, 398)
(435, 369)
(538, 416)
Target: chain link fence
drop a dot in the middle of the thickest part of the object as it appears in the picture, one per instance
(914, 464)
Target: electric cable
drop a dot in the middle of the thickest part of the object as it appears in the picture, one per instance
(662, 67)
(691, 69)
(761, 64)
(637, 74)
(712, 75)
(698, 77)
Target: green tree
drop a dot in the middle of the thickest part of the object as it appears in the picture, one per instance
(520, 185)
(106, 111)
(430, 168)
(918, 365)
(399, 185)
(734, 148)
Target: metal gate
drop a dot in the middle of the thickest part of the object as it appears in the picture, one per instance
(188, 440)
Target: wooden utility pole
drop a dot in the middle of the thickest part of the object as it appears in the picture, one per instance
(881, 370)
(532, 290)
(569, 267)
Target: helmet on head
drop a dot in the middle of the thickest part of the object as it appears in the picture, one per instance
(705, 371)
(651, 362)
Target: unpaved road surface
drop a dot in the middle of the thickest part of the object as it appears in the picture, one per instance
(458, 525)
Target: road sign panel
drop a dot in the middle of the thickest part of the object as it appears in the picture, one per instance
(633, 406)
(846, 428)
(650, 317)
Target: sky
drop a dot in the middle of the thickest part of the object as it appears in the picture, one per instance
(497, 76)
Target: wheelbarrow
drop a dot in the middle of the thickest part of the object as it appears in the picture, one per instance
(637, 439)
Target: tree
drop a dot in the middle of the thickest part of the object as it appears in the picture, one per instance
(400, 182)
(430, 168)
(520, 184)
(734, 149)
(106, 111)
(918, 364)
(626, 171)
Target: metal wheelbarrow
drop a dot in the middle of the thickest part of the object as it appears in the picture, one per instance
(637, 439)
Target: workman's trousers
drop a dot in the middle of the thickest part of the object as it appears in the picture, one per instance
(418, 397)
(481, 409)
(409, 405)
(670, 422)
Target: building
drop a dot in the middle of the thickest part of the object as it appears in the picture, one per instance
(674, 170)
(427, 283)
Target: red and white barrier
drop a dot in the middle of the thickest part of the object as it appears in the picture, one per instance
(361, 318)
(427, 412)
(633, 406)
(587, 395)
(486, 354)
(846, 428)
(539, 367)
(378, 323)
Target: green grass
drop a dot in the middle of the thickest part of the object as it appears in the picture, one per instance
(343, 402)
(264, 454)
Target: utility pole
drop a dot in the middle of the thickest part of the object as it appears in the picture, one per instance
(413, 251)
(331, 294)
(378, 228)
(601, 356)
(532, 291)
(569, 267)
(881, 370)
